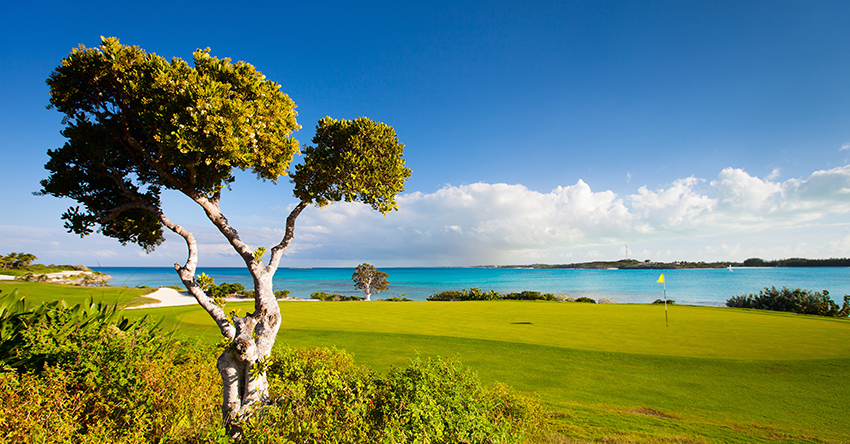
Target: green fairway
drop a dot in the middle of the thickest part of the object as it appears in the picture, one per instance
(612, 373)
(37, 292)
(715, 374)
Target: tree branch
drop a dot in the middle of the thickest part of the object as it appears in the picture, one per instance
(277, 251)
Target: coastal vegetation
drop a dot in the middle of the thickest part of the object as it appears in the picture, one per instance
(475, 294)
(138, 125)
(795, 301)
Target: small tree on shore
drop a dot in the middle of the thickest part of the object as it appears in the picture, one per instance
(137, 124)
(369, 280)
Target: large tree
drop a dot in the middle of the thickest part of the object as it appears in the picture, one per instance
(137, 125)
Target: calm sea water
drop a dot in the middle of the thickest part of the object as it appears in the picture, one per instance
(695, 286)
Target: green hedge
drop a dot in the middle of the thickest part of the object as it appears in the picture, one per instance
(475, 294)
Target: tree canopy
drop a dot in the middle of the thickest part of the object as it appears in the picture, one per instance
(368, 279)
(138, 125)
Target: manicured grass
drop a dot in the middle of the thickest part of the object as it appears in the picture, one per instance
(609, 372)
(37, 292)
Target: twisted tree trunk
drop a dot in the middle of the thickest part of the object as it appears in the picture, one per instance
(241, 365)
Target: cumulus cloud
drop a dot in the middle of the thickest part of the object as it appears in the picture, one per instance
(492, 223)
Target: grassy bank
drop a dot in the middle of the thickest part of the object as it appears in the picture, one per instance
(37, 292)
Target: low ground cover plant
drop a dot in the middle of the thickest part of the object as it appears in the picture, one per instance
(795, 301)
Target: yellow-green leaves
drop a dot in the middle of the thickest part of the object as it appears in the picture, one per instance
(137, 122)
(204, 281)
(258, 254)
(353, 160)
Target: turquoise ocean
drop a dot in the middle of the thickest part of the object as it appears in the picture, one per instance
(690, 286)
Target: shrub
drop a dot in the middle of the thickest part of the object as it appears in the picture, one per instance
(661, 302)
(84, 374)
(321, 396)
(225, 290)
(396, 299)
(322, 296)
(475, 294)
(586, 299)
(795, 301)
(529, 296)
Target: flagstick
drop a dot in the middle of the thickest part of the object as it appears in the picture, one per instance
(666, 321)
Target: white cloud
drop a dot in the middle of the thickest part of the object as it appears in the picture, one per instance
(497, 223)
(734, 214)
(845, 147)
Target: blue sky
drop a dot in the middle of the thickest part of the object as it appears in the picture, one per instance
(544, 132)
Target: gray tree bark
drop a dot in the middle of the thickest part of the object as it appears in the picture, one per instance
(251, 336)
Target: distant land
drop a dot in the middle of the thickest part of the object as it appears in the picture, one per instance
(634, 264)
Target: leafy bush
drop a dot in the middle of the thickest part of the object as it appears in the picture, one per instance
(586, 299)
(225, 290)
(85, 374)
(321, 396)
(475, 294)
(529, 296)
(322, 296)
(661, 302)
(396, 299)
(796, 301)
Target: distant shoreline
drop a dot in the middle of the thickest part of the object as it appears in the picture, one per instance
(633, 264)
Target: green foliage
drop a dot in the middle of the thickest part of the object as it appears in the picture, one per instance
(321, 396)
(662, 301)
(475, 294)
(322, 296)
(586, 299)
(258, 254)
(795, 301)
(34, 336)
(137, 123)
(225, 290)
(16, 260)
(529, 296)
(282, 294)
(396, 299)
(353, 160)
(440, 401)
(85, 374)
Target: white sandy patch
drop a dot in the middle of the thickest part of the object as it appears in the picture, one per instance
(167, 297)
(65, 274)
(6, 277)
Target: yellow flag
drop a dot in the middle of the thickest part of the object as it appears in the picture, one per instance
(661, 279)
